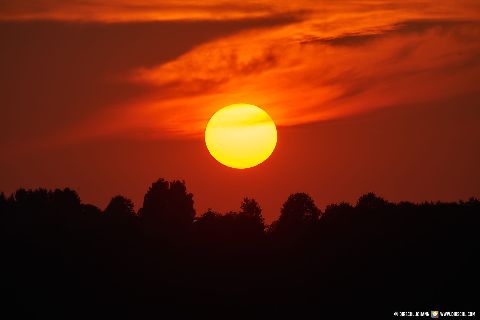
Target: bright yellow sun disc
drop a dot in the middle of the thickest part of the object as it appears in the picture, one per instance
(241, 136)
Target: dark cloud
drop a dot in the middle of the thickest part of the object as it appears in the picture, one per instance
(67, 70)
(406, 27)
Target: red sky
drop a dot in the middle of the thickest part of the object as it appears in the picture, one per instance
(108, 96)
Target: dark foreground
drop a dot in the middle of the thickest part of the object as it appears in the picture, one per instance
(62, 258)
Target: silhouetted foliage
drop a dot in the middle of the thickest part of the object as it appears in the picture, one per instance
(3, 203)
(370, 201)
(251, 216)
(120, 208)
(168, 207)
(337, 208)
(91, 210)
(62, 257)
(298, 214)
(232, 230)
(250, 207)
(299, 207)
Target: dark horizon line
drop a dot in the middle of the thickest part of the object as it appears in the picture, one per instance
(368, 193)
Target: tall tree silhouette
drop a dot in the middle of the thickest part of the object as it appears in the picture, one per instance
(251, 213)
(298, 213)
(120, 210)
(251, 208)
(167, 207)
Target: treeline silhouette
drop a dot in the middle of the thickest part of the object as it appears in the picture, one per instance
(61, 257)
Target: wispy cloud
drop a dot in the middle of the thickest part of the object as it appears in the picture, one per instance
(321, 61)
(299, 81)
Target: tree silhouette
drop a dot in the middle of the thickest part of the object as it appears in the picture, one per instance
(251, 208)
(337, 208)
(210, 227)
(120, 208)
(120, 211)
(232, 229)
(90, 210)
(298, 213)
(3, 203)
(57, 248)
(167, 207)
(251, 213)
(66, 199)
(371, 201)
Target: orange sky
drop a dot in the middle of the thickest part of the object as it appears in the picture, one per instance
(106, 96)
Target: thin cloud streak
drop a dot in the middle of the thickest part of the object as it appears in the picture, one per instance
(161, 10)
(140, 10)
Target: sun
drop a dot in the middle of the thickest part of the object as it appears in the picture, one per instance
(241, 136)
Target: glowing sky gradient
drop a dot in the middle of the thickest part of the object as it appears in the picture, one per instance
(367, 95)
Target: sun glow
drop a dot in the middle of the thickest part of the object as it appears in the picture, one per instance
(241, 136)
